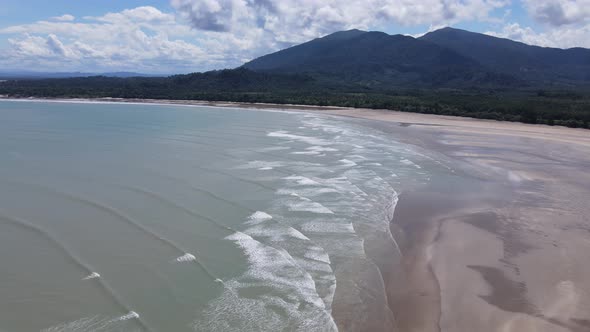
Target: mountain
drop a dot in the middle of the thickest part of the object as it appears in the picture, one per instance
(540, 65)
(376, 59)
(443, 58)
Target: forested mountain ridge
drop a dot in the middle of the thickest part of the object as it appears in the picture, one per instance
(534, 64)
(379, 60)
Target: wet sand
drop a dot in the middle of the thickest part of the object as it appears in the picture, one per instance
(501, 243)
(504, 245)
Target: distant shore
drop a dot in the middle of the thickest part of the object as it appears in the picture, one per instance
(465, 123)
(499, 246)
(177, 102)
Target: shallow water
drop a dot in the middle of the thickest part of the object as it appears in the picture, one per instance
(121, 217)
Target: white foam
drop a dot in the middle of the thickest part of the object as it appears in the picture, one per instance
(305, 139)
(309, 153)
(317, 268)
(297, 234)
(258, 217)
(409, 163)
(92, 275)
(233, 313)
(327, 227)
(344, 184)
(317, 254)
(261, 256)
(311, 192)
(320, 124)
(290, 257)
(321, 149)
(302, 180)
(348, 163)
(95, 323)
(238, 236)
(275, 233)
(130, 315)
(265, 168)
(309, 206)
(261, 164)
(186, 258)
(277, 267)
(305, 199)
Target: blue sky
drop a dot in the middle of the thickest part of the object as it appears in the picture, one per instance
(178, 36)
(21, 11)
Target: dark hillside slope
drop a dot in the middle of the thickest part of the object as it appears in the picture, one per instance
(539, 65)
(376, 59)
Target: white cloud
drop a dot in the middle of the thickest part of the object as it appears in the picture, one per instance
(564, 24)
(562, 37)
(29, 45)
(243, 29)
(559, 12)
(208, 34)
(144, 14)
(139, 39)
(64, 18)
(294, 20)
(56, 46)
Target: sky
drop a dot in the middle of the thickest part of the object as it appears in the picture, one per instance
(181, 36)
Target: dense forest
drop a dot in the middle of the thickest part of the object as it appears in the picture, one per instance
(530, 105)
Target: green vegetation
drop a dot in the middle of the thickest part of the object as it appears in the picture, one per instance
(547, 106)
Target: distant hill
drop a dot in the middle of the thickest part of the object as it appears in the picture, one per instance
(376, 59)
(538, 65)
(443, 58)
(186, 86)
(40, 75)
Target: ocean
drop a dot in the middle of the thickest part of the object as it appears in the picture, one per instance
(144, 217)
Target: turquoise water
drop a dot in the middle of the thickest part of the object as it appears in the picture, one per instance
(122, 217)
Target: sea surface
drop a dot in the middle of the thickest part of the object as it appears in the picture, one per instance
(141, 217)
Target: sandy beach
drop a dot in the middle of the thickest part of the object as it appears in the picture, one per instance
(502, 243)
(506, 251)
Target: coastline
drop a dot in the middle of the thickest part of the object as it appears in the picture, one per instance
(503, 251)
(221, 104)
(459, 124)
(502, 247)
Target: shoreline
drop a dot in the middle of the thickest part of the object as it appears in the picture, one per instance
(499, 245)
(502, 247)
(176, 102)
(406, 118)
